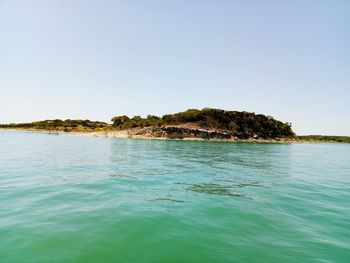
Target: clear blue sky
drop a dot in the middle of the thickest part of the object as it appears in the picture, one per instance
(98, 59)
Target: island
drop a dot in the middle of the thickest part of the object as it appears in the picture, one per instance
(192, 124)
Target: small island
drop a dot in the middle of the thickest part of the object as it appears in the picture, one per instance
(192, 124)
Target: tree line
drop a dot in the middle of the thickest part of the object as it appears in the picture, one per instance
(237, 123)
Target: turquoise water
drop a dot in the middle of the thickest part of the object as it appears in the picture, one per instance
(84, 199)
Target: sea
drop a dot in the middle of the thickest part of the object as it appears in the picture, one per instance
(68, 198)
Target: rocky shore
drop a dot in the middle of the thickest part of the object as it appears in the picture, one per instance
(177, 133)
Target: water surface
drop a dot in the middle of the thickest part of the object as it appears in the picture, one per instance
(84, 199)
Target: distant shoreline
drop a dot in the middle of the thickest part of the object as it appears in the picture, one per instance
(128, 134)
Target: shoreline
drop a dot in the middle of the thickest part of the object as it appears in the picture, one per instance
(127, 134)
(130, 134)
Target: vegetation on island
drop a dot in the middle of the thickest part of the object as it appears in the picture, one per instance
(206, 123)
(60, 125)
(324, 138)
(242, 125)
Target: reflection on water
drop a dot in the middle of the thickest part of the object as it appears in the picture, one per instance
(168, 199)
(214, 189)
(122, 176)
(198, 166)
(243, 184)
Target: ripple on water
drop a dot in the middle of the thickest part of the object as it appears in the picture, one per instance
(81, 199)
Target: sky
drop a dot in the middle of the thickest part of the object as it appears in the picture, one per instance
(82, 59)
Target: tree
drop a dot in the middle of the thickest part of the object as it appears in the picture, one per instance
(120, 120)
